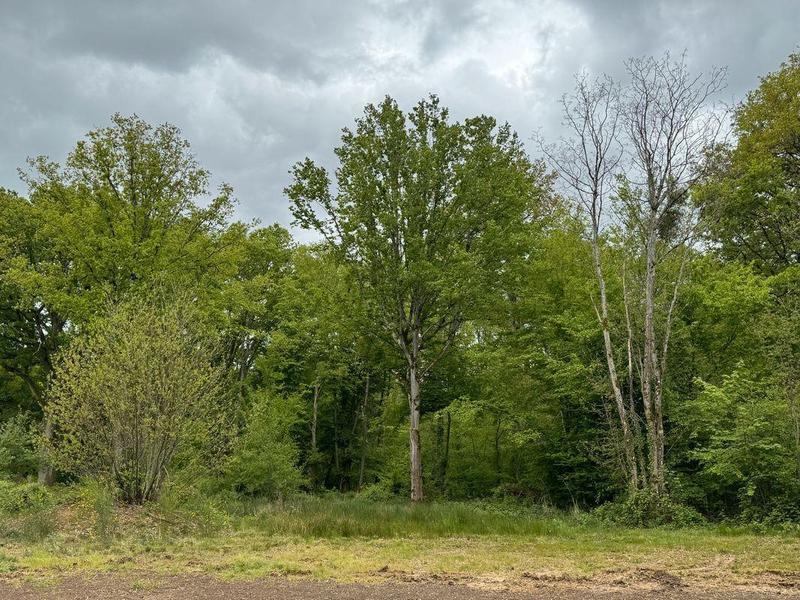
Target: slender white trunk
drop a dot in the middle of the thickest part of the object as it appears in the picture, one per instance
(651, 380)
(627, 437)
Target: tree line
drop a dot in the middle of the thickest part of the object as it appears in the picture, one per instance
(616, 319)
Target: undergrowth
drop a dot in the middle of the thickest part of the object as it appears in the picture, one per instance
(92, 512)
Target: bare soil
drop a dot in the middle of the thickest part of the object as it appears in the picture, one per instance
(628, 585)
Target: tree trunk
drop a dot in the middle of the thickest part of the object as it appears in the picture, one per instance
(46, 472)
(627, 437)
(414, 439)
(651, 388)
(640, 465)
(314, 410)
(364, 432)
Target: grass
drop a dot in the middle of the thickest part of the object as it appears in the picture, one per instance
(335, 516)
(349, 539)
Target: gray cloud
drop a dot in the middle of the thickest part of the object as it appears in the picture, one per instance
(256, 86)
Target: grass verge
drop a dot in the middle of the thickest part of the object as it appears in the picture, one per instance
(350, 539)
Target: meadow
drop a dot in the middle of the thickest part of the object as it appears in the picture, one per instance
(347, 539)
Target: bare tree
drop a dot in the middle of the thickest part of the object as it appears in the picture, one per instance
(643, 144)
(588, 162)
(668, 125)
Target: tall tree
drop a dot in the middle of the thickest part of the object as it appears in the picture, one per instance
(669, 126)
(752, 191)
(130, 205)
(648, 141)
(588, 163)
(424, 210)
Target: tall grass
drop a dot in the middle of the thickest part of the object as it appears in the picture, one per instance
(27, 512)
(333, 516)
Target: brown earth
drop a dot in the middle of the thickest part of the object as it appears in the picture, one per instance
(397, 586)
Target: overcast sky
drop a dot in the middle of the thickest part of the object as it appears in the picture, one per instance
(256, 86)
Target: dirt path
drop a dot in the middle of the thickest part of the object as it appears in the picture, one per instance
(144, 587)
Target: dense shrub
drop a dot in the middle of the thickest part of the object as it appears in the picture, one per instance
(264, 460)
(18, 453)
(27, 511)
(647, 509)
(127, 397)
(21, 497)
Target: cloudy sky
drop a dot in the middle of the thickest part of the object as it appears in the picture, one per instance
(257, 85)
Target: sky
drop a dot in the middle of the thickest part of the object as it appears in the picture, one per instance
(257, 85)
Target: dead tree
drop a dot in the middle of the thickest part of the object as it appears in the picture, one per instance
(642, 145)
(587, 162)
(668, 124)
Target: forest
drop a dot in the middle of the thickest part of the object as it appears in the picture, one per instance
(606, 323)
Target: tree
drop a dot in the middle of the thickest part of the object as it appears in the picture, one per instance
(424, 211)
(648, 140)
(130, 206)
(669, 126)
(127, 397)
(588, 163)
(751, 192)
(264, 456)
(247, 308)
(312, 353)
(132, 203)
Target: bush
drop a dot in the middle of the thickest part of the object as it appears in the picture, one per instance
(23, 497)
(27, 511)
(18, 453)
(185, 509)
(264, 458)
(647, 509)
(126, 398)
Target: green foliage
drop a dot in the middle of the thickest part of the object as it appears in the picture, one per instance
(264, 458)
(646, 509)
(751, 194)
(23, 497)
(455, 196)
(130, 204)
(185, 509)
(27, 511)
(98, 500)
(19, 456)
(125, 398)
(746, 446)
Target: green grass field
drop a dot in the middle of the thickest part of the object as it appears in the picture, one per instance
(351, 539)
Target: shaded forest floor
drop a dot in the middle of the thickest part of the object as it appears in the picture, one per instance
(347, 548)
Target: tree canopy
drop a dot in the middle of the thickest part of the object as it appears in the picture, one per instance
(616, 322)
